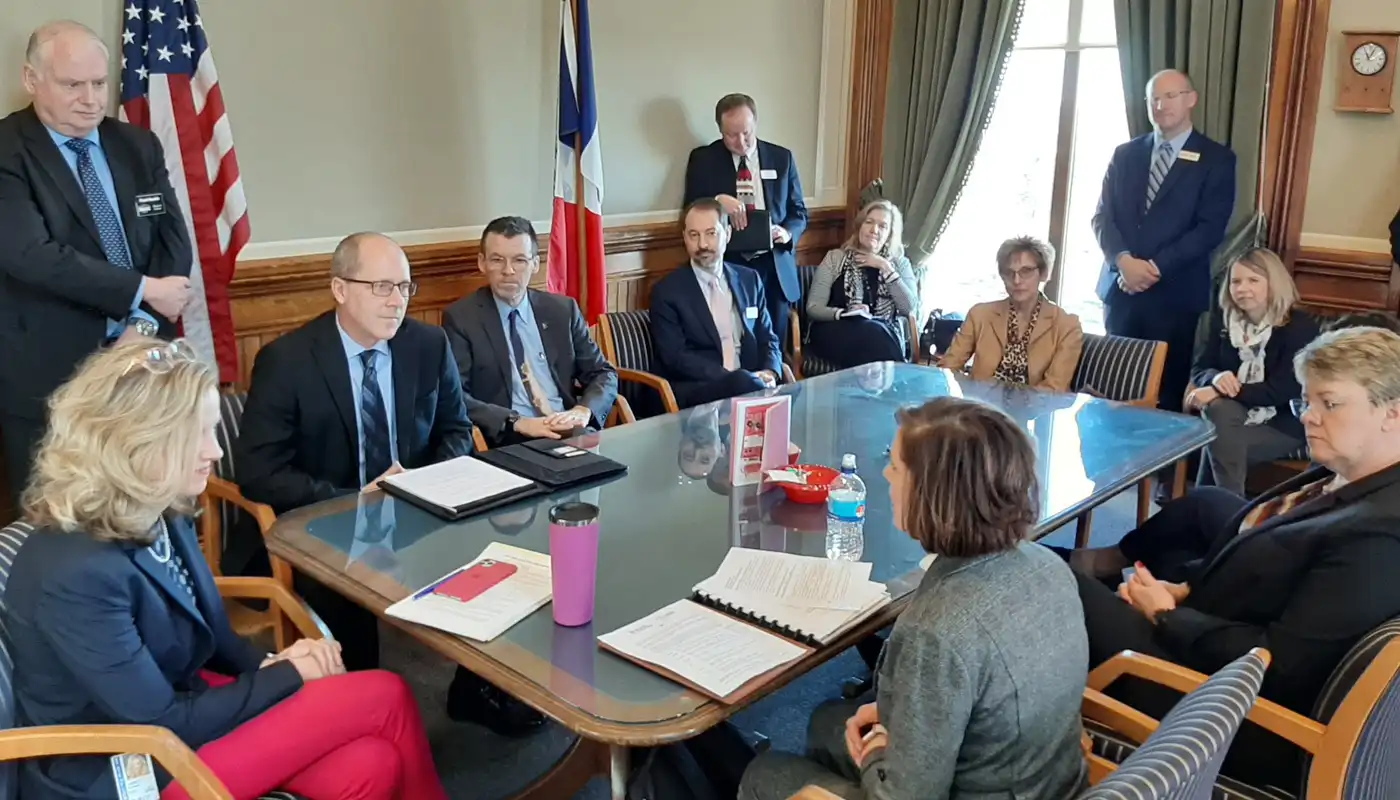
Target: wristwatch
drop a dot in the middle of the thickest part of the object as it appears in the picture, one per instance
(512, 418)
(143, 326)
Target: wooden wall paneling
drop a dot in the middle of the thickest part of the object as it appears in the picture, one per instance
(1347, 280)
(870, 70)
(272, 296)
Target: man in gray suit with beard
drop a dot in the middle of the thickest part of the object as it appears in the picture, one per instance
(529, 368)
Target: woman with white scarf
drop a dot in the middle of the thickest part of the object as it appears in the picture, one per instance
(861, 291)
(1244, 375)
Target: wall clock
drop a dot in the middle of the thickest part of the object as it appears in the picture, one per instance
(1366, 76)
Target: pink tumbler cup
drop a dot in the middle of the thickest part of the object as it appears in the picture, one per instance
(573, 557)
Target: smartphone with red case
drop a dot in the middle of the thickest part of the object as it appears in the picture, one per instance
(472, 581)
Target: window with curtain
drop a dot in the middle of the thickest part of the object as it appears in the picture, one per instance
(1059, 115)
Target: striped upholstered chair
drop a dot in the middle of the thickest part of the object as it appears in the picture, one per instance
(1128, 371)
(1351, 740)
(625, 339)
(162, 745)
(1180, 757)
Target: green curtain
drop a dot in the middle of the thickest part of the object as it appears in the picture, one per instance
(946, 64)
(1225, 46)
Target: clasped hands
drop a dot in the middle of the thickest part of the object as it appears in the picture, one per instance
(861, 746)
(1137, 274)
(313, 658)
(1150, 596)
(554, 426)
(1224, 384)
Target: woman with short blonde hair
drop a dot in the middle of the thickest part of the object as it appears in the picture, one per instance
(114, 618)
(1243, 376)
(861, 293)
(1306, 570)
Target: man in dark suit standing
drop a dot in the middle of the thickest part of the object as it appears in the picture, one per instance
(1167, 199)
(94, 246)
(709, 322)
(353, 396)
(529, 368)
(744, 174)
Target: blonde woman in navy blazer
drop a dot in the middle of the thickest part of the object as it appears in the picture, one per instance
(114, 617)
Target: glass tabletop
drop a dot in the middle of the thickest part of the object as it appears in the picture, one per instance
(668, 522)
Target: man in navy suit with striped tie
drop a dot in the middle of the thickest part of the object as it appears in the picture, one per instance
(1166, 202)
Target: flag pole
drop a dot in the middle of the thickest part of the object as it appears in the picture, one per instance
(582, 225)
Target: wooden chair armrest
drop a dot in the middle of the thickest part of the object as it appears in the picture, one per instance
(159, 743)
(787, 376)
(621, 413)
(814, 793)
(218, 490)
(479, 441)
(660, 384)
(913, 322)
(1146, 667)
(1117, 715)
(307, 623)
(795, 339)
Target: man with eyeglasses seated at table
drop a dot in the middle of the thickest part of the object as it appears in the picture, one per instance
(529, 368)
(355, 395)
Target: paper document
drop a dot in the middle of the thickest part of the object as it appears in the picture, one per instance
(791, 579)
(492, 612)
(460, 482)
(715, 652)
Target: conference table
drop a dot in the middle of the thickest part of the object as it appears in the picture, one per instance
(669, 521)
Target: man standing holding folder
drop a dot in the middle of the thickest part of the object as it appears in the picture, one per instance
(748, 175)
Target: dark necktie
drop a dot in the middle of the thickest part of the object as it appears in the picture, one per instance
(374, 420)
(744, 177)
(108, 226)
(522, 366)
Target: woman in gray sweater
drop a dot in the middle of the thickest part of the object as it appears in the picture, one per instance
(978, 689)
(861, 292)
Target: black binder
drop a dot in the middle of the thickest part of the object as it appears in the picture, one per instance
(458, 513)
(538, 461)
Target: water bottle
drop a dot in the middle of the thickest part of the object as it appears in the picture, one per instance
(845, 514)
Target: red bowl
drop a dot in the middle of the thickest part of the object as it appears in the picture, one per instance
(818, 483)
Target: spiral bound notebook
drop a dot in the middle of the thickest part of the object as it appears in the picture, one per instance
(807, 599)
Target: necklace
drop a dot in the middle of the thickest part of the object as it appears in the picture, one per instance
(160, 549)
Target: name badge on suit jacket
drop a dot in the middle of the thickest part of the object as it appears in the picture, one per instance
(150, 205)
(1189, 155)
(751, 313)
(768, 174)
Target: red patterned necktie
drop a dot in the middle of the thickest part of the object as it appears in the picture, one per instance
(744, 178)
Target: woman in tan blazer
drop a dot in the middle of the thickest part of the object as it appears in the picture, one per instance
(1025, 338)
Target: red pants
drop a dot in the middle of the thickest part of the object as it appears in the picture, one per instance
(356, 736)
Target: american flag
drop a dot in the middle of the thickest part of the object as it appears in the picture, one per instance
(575, 266)
(170, 87)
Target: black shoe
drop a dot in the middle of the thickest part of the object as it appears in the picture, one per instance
(472, 699)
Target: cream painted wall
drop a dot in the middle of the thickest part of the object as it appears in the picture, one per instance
(432, 116)
(1354, 177)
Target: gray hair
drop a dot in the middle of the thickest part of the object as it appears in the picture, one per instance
(36, 54)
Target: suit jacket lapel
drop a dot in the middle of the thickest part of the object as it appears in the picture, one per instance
(728, 169)
(405, 392)
(555, 336)
(707, 320)
(161, 574)
(1049, 315)
(119, 159)
(336, 371)
(1301, 511)
(767, 160)
(1000, 313)
(496, 335)
(741, 302)
(1138, 172)
(42, 147)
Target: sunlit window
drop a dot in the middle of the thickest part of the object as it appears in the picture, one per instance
(1059, 115)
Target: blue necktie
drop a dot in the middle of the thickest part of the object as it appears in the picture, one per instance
(373, 420)
(108, 226)
(1160, 167)
(517, 345)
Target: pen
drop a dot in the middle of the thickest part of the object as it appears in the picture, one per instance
(427, 590)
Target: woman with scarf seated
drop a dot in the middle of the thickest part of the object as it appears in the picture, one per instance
(861, 292)
(1024, 339)
(1244, 375)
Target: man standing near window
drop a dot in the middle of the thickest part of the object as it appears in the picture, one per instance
(1166, 202)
